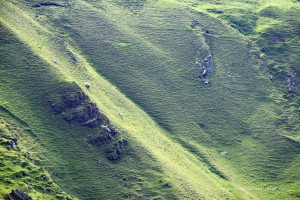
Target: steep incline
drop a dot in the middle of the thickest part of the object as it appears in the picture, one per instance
(186, 173)
(176, 124)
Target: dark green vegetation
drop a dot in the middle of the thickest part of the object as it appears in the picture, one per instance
(153, 52)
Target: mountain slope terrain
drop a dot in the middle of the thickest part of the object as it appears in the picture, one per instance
(149, 99)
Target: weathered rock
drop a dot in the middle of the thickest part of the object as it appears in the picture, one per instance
(101, 140)
(122, 143)
(167, 185)
(19, 195)
(9, 142)
(113, 132)
(207, 67)
(43, 178)
(290, 80)
(74, 58)
(276, 38)
(115, 154)
(91, 122)
(68, 100)
(194, 23)
(47, 4)
(15, 140)
(88, 115)
(73, 101)
(106, 138)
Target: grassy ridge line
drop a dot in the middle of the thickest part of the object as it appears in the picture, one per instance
(182, 167)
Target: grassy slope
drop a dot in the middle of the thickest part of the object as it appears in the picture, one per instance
(68, 158)
(168, 49)
(165, 68)
(182, 169)
(259, 21)
(18, 171)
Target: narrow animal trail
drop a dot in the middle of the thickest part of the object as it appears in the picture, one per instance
(190, 177)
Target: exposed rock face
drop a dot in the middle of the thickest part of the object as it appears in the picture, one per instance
(115, 153)
(19, 195)
(277, 38)
(101, 140)
(77, 108)
(47, 4)
(68, 100)
(74, 58)
(194, 24)
(88, 115)
(9, 142)
(73, 101)
(105, 138)
(208, 67)
(290, 80)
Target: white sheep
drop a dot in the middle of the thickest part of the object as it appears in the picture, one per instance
(121, 114)
(87, 85)
(105, 127)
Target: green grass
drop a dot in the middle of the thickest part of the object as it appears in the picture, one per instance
(176, 126)
(18, 171)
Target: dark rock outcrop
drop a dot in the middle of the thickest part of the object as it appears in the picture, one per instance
(88, 115)
(277, 38)
(207, 67)
(77, 108)
(68, 100)
(74, 58)
(290, 80)
(105, 138)
(47, 4)
(101, 140)
(19, 195)
(194, 24)
(73, 101)
(9, 142)
(116, 153)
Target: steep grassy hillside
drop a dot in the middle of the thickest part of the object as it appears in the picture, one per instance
(19, 168)
(67, 156)
(208, 92)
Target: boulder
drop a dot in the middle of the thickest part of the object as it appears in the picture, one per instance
(19, 195)
(47, 4)
(68, 100)
(88, 115)
(101, 140)
(115, 154)
(74, 100)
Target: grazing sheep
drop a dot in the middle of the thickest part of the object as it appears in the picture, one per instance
(55, 61)
(224, 153)
(87, 85)
(121, 114)
(206, 82)
(105, 127)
